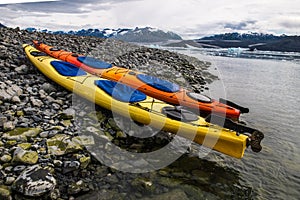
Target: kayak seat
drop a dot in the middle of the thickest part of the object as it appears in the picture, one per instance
(94, 63)
(67, 69)
(180, 114)
(120, 91)
(38, 53)
(158, 83)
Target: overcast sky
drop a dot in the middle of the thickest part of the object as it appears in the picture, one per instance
(188, 18)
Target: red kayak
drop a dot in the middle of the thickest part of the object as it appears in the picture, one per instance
(151, 86)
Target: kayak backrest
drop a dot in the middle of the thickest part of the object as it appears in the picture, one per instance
(199, 97)
(158, 83)
(67, 69)
(94, 63)
(120, 91)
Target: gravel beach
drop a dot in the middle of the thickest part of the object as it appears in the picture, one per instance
(42, 154)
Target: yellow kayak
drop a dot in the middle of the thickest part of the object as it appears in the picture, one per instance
(139, 107)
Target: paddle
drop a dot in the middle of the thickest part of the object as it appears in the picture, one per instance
(234, 105)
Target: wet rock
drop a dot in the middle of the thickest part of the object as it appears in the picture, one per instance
(67, 114)
(103, 194)
(5, 193)
(25, 146)
(174, 194)
(21, 134)
(57, 163)
(84, 161)
(34, 181)
(5, 158)
(2, 174)
(77, 187)
(142, 184)
(25, 157)
(69, 166)
(84, 140)
(9, 180)
(61, 144)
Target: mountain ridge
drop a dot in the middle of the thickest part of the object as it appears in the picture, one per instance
(253, 41)
(146, 34)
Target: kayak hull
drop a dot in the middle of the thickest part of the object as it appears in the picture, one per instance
(148, 111)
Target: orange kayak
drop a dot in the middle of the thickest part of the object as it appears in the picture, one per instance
(151, 86)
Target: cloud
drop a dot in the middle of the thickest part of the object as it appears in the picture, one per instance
(290, 22)
(188, 18)
(64, 6)
(22, 1)
(240, 25)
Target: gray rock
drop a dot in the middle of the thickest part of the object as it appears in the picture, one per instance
(19, 168)
(8, 126)
(16, 99)
(34, 181)
(47, 87)
(36, 102)
(4, 95)
(30, 111)
(23, 69)
(3, 119)
(14, 90)
(9, 180)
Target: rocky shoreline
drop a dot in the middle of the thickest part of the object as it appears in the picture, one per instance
(42, 154)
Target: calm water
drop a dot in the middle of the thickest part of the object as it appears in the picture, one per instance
(271, 89)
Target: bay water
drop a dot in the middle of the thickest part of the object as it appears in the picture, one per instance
(270, 88)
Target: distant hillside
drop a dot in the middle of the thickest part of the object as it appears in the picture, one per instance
(265, 42)
(146, 34)
(2, 26)
(244, 37)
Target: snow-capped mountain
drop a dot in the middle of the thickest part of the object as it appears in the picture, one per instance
(146, 34)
